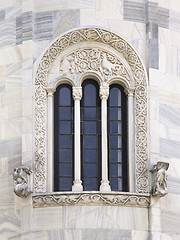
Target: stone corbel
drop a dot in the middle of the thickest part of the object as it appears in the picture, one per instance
(159, 179)
(22, 177)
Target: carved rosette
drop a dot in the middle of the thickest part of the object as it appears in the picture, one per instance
(51, 200)
(107, 66)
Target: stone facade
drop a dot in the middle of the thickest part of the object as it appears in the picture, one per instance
(40, 43)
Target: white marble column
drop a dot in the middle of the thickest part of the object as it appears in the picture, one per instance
(130, 92)
(77, 183)
(104, 94)
(50, 165)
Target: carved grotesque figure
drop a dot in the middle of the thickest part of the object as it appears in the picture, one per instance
(159, 179)
(20, 177)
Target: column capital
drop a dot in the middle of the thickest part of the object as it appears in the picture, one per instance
(104, 92)
(129, 92)
(50, 91)
(77, 93)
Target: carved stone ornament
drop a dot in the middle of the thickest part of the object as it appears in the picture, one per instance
(159, 177)
(93, 59)
(77, 93)
(106, 65)
(104, 92)
(114, 199)
(21, 177)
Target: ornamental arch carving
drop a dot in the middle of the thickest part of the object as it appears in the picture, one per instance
(106, 57)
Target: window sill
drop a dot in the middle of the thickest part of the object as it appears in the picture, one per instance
(91, 198)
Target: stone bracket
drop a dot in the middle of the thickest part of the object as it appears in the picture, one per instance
(159, 179)
(22, 177)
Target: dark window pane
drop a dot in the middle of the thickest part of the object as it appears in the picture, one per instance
(65, 155)
(115, 114)
(90, 170)
(65, 96)
(65, 127)
(115, 97)
(63, 138)
(115, 142)
(89, 155)
(64, 141)
(90, 184)
(90, 127)
(116, 184)
(115, 170)
(65, 184)
(90, 114)
(89, 95)
(90, 141)
(115, 128)
(65, 113)
(115, 156)
(65, 169)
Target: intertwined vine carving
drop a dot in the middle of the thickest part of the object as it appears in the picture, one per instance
(94, 59)
(121, 46)
(50, 200)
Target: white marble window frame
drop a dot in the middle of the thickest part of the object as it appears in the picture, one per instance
(115, 54)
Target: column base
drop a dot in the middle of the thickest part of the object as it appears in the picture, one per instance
(105, 187)
(77, 186)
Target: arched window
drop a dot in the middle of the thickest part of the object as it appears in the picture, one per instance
(63, 138)
(117, 138)
(106, 62)
(90, 135)
(93, 168)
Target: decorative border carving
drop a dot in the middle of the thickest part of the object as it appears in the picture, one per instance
(87, 198)
(92, 35)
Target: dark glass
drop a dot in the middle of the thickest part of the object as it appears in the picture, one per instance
(90, 169)
(65, 169)
(89, 95)
(115, 97)
(65, 127)
(115, 170)
(65, 184)
(90, 141)
(115, 114)
(90, 135)
(90, 114)
(115, 127)
(116, 155)
(65, 113)
(64, 141)
(65, 155)
(90, 127)
(90, 155)
(90, 184)
(65, 96)
(117, 139)
(63, 138)
(116, 184)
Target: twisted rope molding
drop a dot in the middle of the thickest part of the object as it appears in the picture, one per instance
(114, 199)
(121, 46)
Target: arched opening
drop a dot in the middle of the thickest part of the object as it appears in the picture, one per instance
(63, 138)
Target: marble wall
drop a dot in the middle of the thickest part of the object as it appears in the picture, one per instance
(27, 29)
